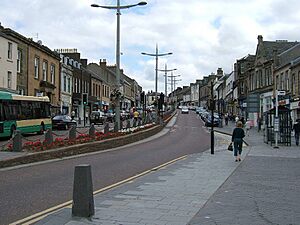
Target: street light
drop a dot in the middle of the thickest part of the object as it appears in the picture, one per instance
(166, 77)
(118, 7)
(156, 69)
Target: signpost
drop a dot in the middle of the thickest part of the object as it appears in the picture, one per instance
(276, 120)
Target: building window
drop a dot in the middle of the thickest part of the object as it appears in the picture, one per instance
(293, 84)
(21, 91)
(45, 68)
(9, 50)
(75, 85)
(52, 73)
(9, 76)
(287, 80)
(36, 67)
(69, 84)
(299, 83)
(65, 83)
(281, 86)
(19, 61)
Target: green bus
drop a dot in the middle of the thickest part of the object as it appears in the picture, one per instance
(28, 114)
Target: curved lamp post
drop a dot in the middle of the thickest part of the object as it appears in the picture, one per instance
(118, 7)
(156, 69)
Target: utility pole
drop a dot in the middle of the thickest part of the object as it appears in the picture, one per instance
(173, 83)
(212, 106)
(166, 78)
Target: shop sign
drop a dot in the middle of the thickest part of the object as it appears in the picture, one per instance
(295, 105)
(284, 102)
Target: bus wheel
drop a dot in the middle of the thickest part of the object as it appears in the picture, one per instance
(12, 129)
(42, 129)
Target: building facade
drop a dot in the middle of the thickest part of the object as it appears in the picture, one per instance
(8, 62)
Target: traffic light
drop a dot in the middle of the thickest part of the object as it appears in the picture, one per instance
(161, 101)
(162, 97)
(85, 98)
(142, 97)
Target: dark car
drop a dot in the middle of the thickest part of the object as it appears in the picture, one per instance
(62, 122)
(110, 116)
(209, 123)
(98, 117)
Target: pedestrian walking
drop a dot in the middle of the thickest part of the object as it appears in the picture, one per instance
(259, 122)
(226, 119)
(136, 116)
(237, 139)
(296, 129)
(73, 115)
(248, 127)
(237, 119)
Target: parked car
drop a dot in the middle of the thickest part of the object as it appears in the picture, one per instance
(208, 122)
(63, 122)
(184, 110)
(124, 115)
(97, 117)
(199, 110)
(110, 116)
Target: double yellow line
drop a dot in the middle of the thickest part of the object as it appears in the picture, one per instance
(38, 216)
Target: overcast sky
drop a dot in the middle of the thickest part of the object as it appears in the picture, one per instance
(202, 34)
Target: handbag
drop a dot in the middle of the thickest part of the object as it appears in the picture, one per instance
(230, 147)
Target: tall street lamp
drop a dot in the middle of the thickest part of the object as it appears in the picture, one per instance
(156, 69)
(118, 7)
(166, 78)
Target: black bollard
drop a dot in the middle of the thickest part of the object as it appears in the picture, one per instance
(92, 131)
(72, 133)
(106, 128)
(116, 127)
(17, 141)
(48, 137)
(128, 124)
(83, 199)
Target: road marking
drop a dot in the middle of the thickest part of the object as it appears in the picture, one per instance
(40, 215)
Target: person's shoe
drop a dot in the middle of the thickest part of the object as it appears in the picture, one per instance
(236, 160)
(240, 160)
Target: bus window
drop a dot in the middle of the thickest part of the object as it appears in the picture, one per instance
(45, 108)
(1, 111)
(37, 110)
(27, 111)
(11, 110)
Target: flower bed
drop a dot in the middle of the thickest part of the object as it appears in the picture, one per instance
(60, 148)
(37, 146)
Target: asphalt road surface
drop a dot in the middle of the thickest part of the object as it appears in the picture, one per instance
(28, 190)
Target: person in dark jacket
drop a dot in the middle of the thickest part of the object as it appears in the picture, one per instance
(296, 129)
(237, 139)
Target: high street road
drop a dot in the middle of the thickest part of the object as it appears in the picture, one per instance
(27, 190)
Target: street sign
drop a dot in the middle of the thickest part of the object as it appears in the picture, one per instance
(276, 124)
(281, 92)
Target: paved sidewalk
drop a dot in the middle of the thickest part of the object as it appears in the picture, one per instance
(263, 190)
(169, 196)
(206, 189)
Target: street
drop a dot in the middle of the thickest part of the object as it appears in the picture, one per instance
(31, 189)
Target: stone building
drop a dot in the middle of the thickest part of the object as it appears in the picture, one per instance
(9, 62)
(261, 80)
(287, 78)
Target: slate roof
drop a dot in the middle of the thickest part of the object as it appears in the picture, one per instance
(289, 55)
(280, 46)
